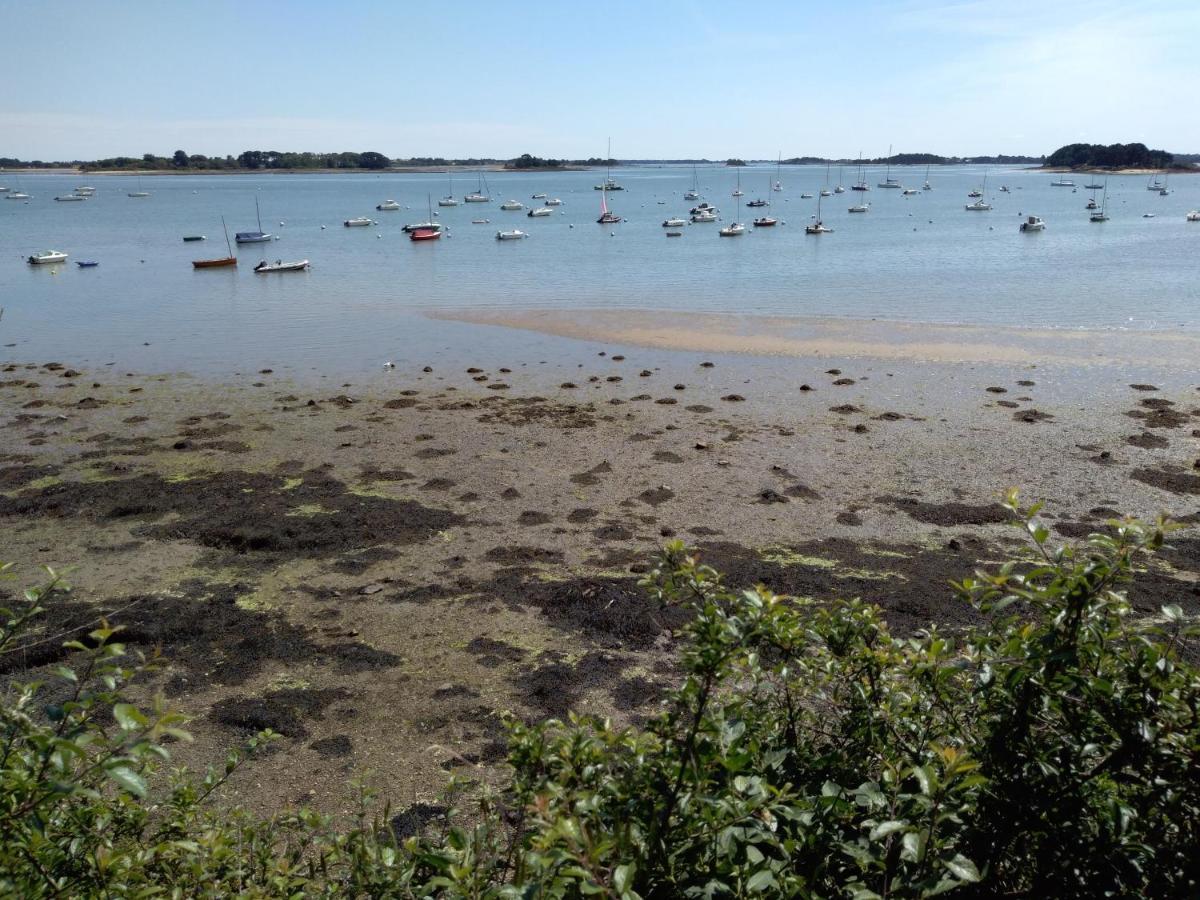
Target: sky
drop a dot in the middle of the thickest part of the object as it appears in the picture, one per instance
(661, 78)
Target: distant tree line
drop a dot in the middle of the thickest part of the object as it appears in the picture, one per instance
(1111, 156)
(913, 159)
(525, 161)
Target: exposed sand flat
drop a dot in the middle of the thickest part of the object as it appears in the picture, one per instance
(841, 338)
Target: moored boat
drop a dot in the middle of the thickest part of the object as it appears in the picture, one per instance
(515, 235)
(539, 212)
(674, 222)
(188, 238)
(47, 257)
(86, 263)
(607, 217)
(1062, 182)
(765, 222)
(421, 226)
(67, 198)
(1033, 223)
(733, 229)
(512, 205)
(16, 195)
(280, 266)
(388, 206)
(554, 201)
(253, 237)
(358, 222)
(1193, 216)
(425, 234)
(229, 260)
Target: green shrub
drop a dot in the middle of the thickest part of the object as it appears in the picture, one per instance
(808, 752)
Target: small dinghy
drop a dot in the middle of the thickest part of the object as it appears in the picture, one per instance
(280, 266)
(515, 235)
(86, 263)
(188, 238)
(358, 222)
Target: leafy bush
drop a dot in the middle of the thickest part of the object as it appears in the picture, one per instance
(808, 752)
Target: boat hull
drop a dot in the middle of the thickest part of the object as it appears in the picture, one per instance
(214, 263)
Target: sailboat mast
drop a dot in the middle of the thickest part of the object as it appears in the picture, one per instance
(257, 215)
(228, 246)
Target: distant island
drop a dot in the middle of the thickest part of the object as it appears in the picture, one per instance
(1116, 157)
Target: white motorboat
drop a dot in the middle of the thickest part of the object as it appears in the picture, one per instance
(515, 235)
(3, 189)
(1193, 216)
(86, 190)
(733, 229)
(16, 195)
(538, 197)
(908, 192)
(280, 266)
(977, 193)
(674, 222)
(358, 222)
(1004, 189)
(539, 212)
(554, 201)
(448, 201)
(1033, 223)
(979, 205)
(47, 257)
(704, 207)
(512, 205)
(388, 205)
(1062, 182)
(69, 198)
(704, 216)
(691, 195)
(765, 222)
(806, 196)
(422, 226)
(825, 193)
(860, 208)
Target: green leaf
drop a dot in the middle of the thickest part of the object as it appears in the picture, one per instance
(129, 717)
(761, 881)
(962, 868)
(622, 876)
(883, 829)
(1172, 612)
(128, 779)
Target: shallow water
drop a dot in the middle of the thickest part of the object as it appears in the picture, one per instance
(920, 258)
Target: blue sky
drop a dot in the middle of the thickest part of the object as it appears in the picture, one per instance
(663, 78)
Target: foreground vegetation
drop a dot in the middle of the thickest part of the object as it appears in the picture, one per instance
(808, 752)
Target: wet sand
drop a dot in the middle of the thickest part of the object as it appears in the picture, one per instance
(378, 569)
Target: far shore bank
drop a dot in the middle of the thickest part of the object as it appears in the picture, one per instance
(391, 170)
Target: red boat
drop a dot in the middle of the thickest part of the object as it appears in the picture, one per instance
(424, 234)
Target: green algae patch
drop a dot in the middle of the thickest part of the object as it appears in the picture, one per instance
(783, 556)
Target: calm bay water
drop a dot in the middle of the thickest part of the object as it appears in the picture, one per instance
(919, 258)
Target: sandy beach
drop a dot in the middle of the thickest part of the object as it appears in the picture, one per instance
(380, 568)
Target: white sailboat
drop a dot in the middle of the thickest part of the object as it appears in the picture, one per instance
(1101, 215)
(609, 184)
(778, 185)
(888, 181)
(927, 186)
(481, 193)
(449, 199)
(980, 205)
(825, 191)
(139, 192)
(694, 191)
(737, 191)
(253, 237)
(840, 189)
(861, 184)
(818, 227)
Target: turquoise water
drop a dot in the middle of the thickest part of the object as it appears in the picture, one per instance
(919, 258)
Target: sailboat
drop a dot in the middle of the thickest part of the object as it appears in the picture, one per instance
(888, 180)
(253, 237)
(480, 194)
(606, 217)
(818, 227)
(449, 199)
(426, 232)
(825, 192)
(609, 184)
(927, 186)
(1101, 215)
(737, 191)
(778, 186)
(1162, 192)
(694, 192)
(861, 185)
(839, 189)
(139, 192)
(1154, 185)
(229, 260)
(980, 205)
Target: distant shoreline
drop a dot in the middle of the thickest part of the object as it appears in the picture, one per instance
(1099, 170)
(392, 170)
